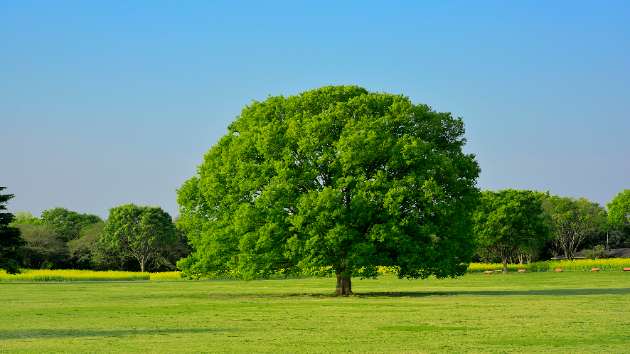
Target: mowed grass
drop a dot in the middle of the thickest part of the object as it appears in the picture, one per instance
(579, 312)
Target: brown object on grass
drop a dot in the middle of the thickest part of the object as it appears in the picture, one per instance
(594, 269)
(522, 270)
(558, 270)
(488, 272)
(626, 269)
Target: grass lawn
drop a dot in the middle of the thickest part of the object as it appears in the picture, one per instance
(578, 312)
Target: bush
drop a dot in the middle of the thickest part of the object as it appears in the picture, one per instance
(598, 252)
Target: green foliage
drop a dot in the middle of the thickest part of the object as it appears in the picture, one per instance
(90, 253)
(21, 216)
(619, 209)
(25, 217)
(43, 248)
(572, 220)
(598, 252)
(336, 176)
(619, 219)
(82, 249)
(166, 257)
(139, 230)
(68, 224)
(11, 241)
(509, 221)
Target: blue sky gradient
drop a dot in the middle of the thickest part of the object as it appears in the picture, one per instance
(107, 103)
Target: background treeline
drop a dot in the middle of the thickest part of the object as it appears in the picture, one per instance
(64, 239)
(510, 226)
(520, 226)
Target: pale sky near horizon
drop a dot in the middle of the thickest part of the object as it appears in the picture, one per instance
(104, 103)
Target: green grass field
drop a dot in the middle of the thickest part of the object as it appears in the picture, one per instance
(578, 312)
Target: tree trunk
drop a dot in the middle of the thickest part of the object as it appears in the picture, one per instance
(344, 285)
(504, 259)
(142, 263)
(568, 254)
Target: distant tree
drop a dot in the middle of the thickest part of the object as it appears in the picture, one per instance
(89, 252)
(573, 220)
(68, 224)
(11, 241)
(166, 257)
(140, 230)
(43, 247)
(619, 209)
(508, 221)
(25, 217)
(81, 249)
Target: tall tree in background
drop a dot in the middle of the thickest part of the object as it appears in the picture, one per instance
(572, 220)
(25, 217)
(334, 177)
(619, 209)
(619, 220)
(68, 224)
(11, 241)
(509, 220)
(43, 249)
(140, 230)
(89, 252)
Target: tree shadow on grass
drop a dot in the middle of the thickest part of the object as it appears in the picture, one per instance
(380, 294)
(538, 292)
(81, 333)
(551, 292)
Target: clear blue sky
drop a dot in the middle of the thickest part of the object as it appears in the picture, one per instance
(104, 103)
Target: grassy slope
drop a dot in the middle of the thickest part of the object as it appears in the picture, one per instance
(520, 313)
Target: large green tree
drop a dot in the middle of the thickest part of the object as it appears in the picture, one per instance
(11, 241)
(509, 220)
(140, 230)
(334, 177)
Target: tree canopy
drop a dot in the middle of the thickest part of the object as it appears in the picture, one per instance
(11, 240)
(335, 177)
(139, 230)
(68, 224)
(572, 220)
(508, 220)
(619, 209)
